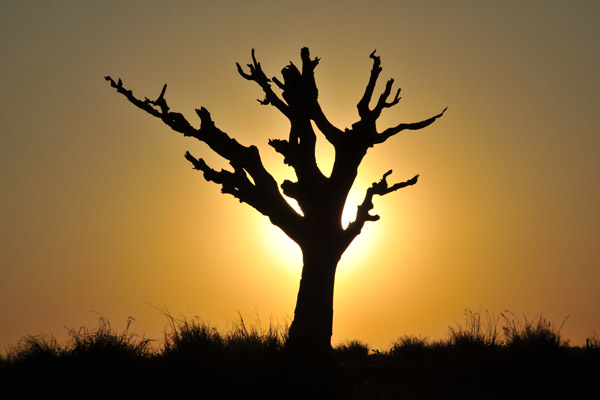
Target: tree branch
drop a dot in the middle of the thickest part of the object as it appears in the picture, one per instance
(262, 193)
(289, 152)
(308, 72)
(330, 131)
(363, 104)
(385, 135)
(235, 183)
(382, 102)
(257, 75)
(311, 94)
(380, 188)
(175, 121)
(299, 92)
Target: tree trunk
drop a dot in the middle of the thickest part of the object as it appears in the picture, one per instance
(313, 317)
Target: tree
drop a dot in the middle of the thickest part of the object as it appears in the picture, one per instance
(318, 228)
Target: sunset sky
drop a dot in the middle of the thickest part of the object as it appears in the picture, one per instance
(101, 214)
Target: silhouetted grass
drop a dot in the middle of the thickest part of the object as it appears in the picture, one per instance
(477, 360)
(205, 361)
(36, 349)
(352, 350)
(538, 333)
(105, 343)
(593, 341)
(475, 332)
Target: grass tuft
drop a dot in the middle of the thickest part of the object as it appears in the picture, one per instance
(243, 338)
(192, 337)
(35, 349)
(104, 343)
(352, 350)
(410, 345)
(538, 333)
(479, 330)
(593, 341)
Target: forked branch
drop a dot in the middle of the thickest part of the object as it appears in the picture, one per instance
(261, 192)
(380, 188)
(382, 102)
(363, 104)
(175, 121)
(257, 75)
(330, 131)
(368, 116)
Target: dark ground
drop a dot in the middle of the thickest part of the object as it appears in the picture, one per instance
(429, 373)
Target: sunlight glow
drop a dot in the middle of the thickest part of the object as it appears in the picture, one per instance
(283, 249)
(287, 252)
(361, 249)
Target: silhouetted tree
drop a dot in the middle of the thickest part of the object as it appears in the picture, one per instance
(318, 229)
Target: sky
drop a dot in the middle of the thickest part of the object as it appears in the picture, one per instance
(101, 215)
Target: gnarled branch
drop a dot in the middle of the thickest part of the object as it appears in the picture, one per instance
(382, 102)
(365, 127)
(262, 192)
(363, 104)
(311, 93)
(300, 93)
(385, 135)
(235, 183)
(257, 75)
(380, 188)
(175, 121)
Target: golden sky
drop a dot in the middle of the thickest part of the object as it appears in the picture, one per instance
(101, 213)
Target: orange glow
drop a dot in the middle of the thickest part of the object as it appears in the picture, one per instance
(100, 210)
(283, 249)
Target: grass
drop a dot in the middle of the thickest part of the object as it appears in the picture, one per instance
(105, 342)
(592, 341)
(479, 330)
(483, 357)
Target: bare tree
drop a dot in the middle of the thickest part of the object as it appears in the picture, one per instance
(318, 229)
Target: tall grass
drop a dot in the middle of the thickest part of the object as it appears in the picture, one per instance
(482, 357)
(101, 342)
(35, 348)
(105, 342)
(479, 330)
(193, 336)
(536, 333)
(593, 341)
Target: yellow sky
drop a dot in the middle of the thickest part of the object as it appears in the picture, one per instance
(100, 211)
